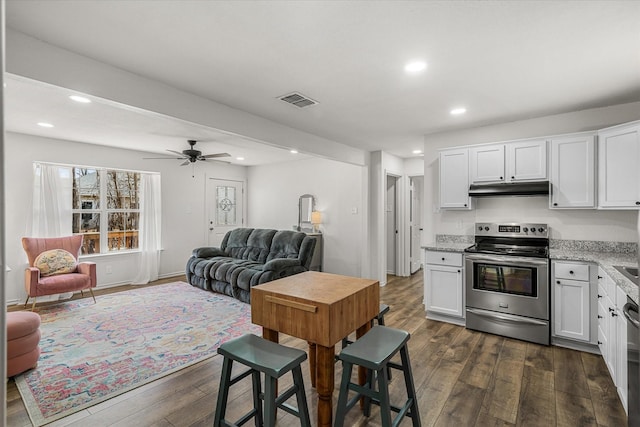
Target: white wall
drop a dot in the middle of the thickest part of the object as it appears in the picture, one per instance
(571, 224)
(183, 203)
(273, 192)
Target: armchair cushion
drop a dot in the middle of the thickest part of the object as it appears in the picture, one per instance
(55, 261)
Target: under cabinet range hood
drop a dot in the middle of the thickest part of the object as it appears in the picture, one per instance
(540, 188)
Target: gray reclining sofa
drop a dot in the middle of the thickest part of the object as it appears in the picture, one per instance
(248, 257)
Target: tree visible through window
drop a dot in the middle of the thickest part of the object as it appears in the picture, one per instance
(106, 209)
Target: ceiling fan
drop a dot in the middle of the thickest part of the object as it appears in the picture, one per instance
(191, 155)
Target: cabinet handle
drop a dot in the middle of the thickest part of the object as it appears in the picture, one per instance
(599, 277)
(558, 282)
(600, 317)
(501, 178)
(513, 177)
(614, 314)
(555, 204)
(570, 271)
(599, 296)
(611, 310)
(459, 271)
(443, 258)
(637, 203)
(599, 342)
(465, 205)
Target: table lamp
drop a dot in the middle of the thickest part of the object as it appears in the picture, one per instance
(316, 220)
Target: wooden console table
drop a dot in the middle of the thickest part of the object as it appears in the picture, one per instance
(320, 308)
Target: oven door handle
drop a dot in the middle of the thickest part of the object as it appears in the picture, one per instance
(508, 259)
(626, 309)
(506, 317)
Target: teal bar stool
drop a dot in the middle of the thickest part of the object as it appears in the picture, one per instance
(374, 352)
(384, 309)
(273, 360)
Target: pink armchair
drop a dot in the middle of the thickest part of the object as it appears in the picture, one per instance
(84, 276)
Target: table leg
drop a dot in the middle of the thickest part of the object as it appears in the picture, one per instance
(312, 363)
(324, 384)
(362, 372)
(270, 334)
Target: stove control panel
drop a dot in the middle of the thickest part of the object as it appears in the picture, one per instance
(512, 230)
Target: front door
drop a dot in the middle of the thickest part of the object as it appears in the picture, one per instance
(225, 208)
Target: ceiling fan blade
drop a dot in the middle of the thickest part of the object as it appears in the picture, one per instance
(162, 158)
(211, 156)
(185, 163)
(177, 152)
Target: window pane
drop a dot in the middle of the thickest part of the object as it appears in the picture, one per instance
(86, 189)
(123, 230)
(226, 205)
(123, 190)
(88, 224)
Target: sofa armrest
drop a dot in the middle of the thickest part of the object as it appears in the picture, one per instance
(278, 264)
(31, 279)
(89, 268)
(208, 252)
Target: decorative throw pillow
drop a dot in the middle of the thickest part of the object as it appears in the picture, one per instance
(55, 261)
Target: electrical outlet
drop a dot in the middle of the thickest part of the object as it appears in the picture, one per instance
(108, 269)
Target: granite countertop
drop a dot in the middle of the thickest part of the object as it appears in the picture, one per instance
(447, 246)
(606, 260)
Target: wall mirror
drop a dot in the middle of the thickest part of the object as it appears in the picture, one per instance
(306, 205)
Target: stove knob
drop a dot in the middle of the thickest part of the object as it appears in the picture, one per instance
(486, 229)
(480, 228)
(525, 229)
(541, 229)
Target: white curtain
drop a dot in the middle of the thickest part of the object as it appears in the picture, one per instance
(149, 230)
(51, 214)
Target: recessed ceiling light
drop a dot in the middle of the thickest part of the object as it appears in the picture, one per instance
(417, 151)
(239, 158)
(415, 66)
(81, 99)
(45, 125)
(458, 111)
(294, 151)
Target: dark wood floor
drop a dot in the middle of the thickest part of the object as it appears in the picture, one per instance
(462, 378)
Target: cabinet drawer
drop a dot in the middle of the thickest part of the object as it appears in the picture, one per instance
(444, 258)
(564, 270)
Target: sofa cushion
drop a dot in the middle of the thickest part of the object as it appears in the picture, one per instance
(55, 261)
(286, 244)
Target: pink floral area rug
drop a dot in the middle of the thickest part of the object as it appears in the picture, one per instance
(93, 352)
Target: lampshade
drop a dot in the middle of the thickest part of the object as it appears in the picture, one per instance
(316, 217)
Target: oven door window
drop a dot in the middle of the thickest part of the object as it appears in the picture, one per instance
(506, 279)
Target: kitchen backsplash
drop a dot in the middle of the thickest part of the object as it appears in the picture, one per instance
(594, 246)
(453, 238)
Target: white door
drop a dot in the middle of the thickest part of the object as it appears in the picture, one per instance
(225, 208)
(415, 223)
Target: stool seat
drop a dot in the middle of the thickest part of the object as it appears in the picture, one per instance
(273, 360)
(265, 356)
(375, 348)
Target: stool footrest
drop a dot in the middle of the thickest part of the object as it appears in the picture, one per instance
(241, 376)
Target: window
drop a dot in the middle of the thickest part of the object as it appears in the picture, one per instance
(106, 209)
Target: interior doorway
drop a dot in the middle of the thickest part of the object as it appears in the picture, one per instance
(391, 223)
(416, 186)
(225, 208)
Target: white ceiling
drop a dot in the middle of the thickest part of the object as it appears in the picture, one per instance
(503, 61)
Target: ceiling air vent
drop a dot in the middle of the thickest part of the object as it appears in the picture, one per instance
(298, 100)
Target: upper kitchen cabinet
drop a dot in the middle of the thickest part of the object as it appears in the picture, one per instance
(618, 171)
(509, 162)
(454, 179)
(572, 173)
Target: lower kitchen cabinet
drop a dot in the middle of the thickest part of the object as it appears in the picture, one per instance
(572, 300)
(444, 286)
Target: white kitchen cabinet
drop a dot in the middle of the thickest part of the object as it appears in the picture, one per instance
(571, 301)
(621, 334)
(509, 162)
(443, 286)
(608, 313)
(618, 171)
(454, 179)
(526, 160)
(572, 172)
(487, 163)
